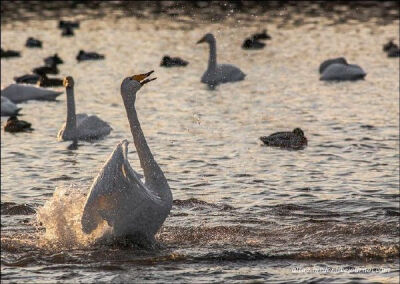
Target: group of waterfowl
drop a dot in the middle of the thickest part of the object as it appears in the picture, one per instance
(132, 208)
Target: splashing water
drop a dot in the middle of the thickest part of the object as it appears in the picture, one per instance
(61, 218)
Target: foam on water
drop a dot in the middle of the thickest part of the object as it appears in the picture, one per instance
(61, 218)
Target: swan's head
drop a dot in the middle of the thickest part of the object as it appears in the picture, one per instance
(68, 82)
(298, 132)
(130, 85)
(207, 38)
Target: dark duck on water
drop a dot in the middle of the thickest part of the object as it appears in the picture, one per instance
(13, 125)
(294, 140)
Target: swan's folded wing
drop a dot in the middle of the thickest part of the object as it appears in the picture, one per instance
(117, 191)
(91, 126)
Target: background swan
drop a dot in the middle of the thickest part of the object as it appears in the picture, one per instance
(342, 72)
(18, 93)
(134, 209)
(8, 108)
(218, 73)
(80, 126)
(326, 63)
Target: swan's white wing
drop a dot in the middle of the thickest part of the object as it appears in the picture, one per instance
(342, 72)
(89, 127)
(8, 108)
(19, 93)
(117, 193)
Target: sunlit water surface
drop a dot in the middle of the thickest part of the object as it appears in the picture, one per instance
(242, 211)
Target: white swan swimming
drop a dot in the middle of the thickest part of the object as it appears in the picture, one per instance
(8, 108)
(338, 69)
(80, 126)
(218, 73)
(18, 93)
(134, 209)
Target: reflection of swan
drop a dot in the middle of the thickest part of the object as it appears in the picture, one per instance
(134, 209)
(8, 108)
(218, 73)
(80, 126)
(18, 93)
(291, 140)
(338, 69)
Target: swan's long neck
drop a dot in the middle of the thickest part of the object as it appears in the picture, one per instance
(70, 127)
(212, 60)
(152, 172)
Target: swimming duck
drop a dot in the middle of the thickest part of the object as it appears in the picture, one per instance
(251, 43)
(27, 79)
(64, 24)
(32, 42)
(47, 69)
(45, 81)
(13, 124)
(9, 53)
(389, 45)
(18, 93)
(8, 108)
(53, 60)
(67, 31)
(338, 69)
(291, 140)
(82, 55)
(218, 73)
(261, 36)
(393, 52)
(168, 61)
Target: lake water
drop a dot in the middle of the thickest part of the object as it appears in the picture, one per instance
(242, 212)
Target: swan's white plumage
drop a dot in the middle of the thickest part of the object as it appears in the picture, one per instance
(87, 128)
(8, 108)
(120, 197)
(342, 72)
(132, 208)
(18, 93)
(80, 126)
(218, 73)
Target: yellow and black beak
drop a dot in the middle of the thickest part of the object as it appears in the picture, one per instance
(140, 78)
(203, 39)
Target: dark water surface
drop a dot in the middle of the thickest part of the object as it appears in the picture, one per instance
(242, 212)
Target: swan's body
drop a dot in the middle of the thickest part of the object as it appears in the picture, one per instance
(80, 126)
(218, 73)
(51, 69)
(342, 72)
(326, 63)
(261, 36)
(45, 81)
(132, 208)
(8, 108)
(18, 93)
(291, 140)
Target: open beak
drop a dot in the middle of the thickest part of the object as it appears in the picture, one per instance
(141, 78)
(201, 40)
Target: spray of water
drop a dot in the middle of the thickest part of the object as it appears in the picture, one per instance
(61, 218)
